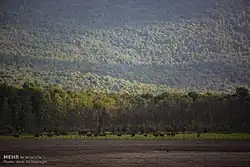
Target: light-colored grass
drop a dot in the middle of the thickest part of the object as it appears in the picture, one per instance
(203, 136)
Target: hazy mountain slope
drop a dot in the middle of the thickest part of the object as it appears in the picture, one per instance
(181, 43)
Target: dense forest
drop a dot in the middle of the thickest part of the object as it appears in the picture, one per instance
(33, 109)
(196, 44)
(165, 65)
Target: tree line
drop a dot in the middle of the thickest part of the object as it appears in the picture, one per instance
(31, 108)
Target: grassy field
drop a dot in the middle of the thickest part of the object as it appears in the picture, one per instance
(203, 136)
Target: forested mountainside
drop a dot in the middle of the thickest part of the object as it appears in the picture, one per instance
(120, 45)
(146, 50)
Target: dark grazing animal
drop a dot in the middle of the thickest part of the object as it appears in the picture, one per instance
(198, 134)
(168, 134)
(155, 134)
(119, 134)
(2, 132)
(82, 132)
(63, 133)
(145, 135)
(49, 135)
(102, 134)
(133, 135)
(89, 135)
(37, 135)
(16, 135)
(161, 134)
(172, 134)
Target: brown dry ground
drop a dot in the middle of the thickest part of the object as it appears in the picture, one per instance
(135, 153)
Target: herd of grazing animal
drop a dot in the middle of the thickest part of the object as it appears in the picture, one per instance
(170, 134)
(50, 134)
(132, 135)
(89, 133)
(119, 134)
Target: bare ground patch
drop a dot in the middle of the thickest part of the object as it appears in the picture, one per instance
(124, 153)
